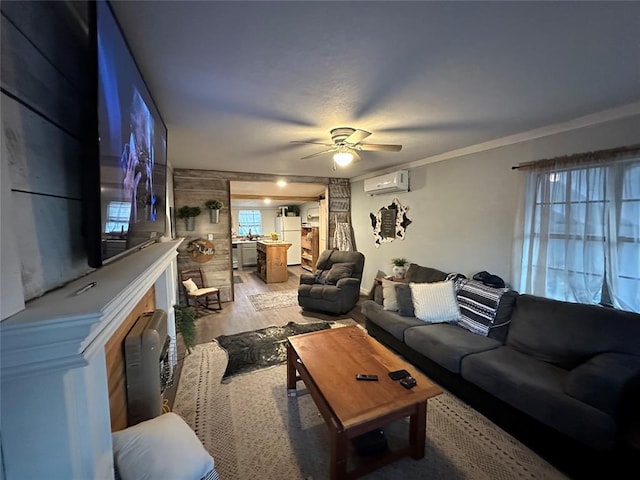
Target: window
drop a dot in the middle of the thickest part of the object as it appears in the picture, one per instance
(249, 220)
(118, 214)
(581, 232)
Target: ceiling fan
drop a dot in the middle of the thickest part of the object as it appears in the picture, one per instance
(346, 141)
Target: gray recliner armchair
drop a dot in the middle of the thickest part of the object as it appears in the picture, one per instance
(335, 287)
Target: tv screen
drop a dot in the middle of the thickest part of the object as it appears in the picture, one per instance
(131, 173)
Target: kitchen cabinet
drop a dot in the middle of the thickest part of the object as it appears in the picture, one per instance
(309, 247)
(249, 255)
(271, 264)
(244, 253)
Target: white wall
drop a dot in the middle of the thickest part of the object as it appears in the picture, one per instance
(463, 210)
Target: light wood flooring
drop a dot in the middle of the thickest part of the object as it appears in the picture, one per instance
(240, 315)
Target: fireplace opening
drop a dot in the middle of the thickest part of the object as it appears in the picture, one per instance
(149, 366)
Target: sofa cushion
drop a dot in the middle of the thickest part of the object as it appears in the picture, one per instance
(392, 322)
(537, 388)
(435, 302)
(446, 344)
(389, 297)
(479, 306)
(417, 274)
(601, 380)
(568, 334)
(405, 301)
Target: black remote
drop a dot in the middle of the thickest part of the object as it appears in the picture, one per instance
(408, 382)
(368, 378)
(399, 374)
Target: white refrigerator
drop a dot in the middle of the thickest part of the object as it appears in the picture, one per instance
(288, 228)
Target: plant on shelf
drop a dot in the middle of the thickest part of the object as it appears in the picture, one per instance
(399, 266)
(189, 214)
(186, 325)
(214, 207)
(294, 210)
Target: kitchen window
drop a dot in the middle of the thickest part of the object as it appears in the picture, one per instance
(249, 220)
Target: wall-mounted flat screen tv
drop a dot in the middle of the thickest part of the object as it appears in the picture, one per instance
(127, 186)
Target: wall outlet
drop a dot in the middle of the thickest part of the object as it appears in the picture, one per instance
(209, 236)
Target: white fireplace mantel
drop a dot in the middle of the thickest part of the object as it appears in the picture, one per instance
(54, 395)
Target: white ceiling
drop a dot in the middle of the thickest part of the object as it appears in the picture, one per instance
(237, 81)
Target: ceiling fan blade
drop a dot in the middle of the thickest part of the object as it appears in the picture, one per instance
(357, 136)
(319, 153)
(379, 147)
(314, 143)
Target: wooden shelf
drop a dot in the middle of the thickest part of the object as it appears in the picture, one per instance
(309, 242)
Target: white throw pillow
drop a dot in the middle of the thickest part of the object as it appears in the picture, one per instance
(389, 298)
(163, 447)
(435, 302)
(190, 285)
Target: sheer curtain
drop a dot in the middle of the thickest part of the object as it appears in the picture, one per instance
(623, 267)
(578, 232)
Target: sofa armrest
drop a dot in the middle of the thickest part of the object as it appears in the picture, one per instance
(604, 381)
(307, 278)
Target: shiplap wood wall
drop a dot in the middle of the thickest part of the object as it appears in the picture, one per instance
(45, 93)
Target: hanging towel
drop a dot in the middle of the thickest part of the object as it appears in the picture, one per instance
(342, 237)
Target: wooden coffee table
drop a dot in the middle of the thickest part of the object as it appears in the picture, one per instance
(327, 362)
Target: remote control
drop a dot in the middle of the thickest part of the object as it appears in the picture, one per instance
(408, 382)
(369, 378)
(399, 374)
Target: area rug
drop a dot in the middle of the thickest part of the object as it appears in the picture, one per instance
(254, 431)
(268, 301)
(249, 351)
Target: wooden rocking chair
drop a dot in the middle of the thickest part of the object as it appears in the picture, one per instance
(195, 290)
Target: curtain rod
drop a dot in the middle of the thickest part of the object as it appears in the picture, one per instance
(618, 153)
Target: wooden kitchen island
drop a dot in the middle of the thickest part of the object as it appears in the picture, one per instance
(272, 261)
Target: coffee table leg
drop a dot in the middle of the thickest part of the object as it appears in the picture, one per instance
(338, 461)
(291, 371)
(417, 430)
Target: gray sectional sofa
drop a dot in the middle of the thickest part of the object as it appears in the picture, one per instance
(553, 369)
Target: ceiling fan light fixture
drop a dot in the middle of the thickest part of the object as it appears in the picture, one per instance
(343, 158)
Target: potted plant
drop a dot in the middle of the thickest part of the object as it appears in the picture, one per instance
(186, 325)
(399, 266)
(274, 236)
(189, 214)
(293, 211)
(214, 207)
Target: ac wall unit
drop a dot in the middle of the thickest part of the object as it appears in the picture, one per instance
(388, 183)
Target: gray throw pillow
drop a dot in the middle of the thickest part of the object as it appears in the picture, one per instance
(338, 271)
(405, 302)
(417, 274)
